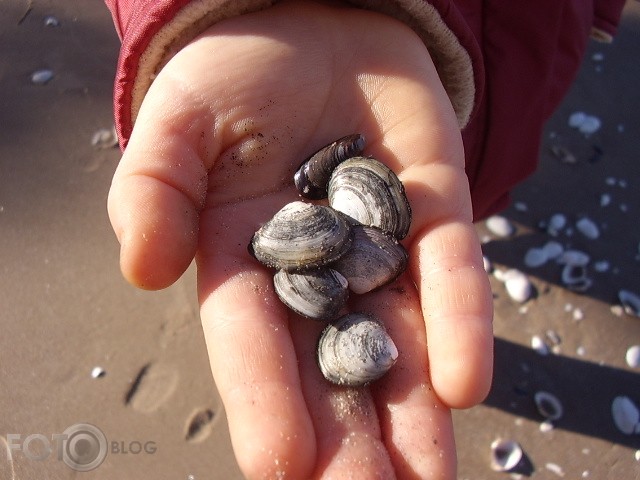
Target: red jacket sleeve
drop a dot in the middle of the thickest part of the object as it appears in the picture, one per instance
(504, 65)
(151, 31)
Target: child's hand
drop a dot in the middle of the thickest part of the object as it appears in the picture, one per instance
(212, 156)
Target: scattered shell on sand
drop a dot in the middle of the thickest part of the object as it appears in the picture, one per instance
(548, 405)
(587, 124)
(556, 224)
(578, 315)
(555, 468)
(605, 200)
(539, 345)
(546, 426)
(633, 356)
(630, 302)
(505, 455)
(41, 77)
(518, 285)
(563, 154)
(500, 226)
(625, 415)
(588, 228)
(602, 266)
(575, 278)
(553, 250)
(104, 138)
(574, 258)
(51, 21)
(98, 372)
(535, 257)
(487, 264)
(521, 207)
(576, 119)
(553, 337)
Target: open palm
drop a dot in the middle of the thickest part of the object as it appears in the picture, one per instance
(212, 157)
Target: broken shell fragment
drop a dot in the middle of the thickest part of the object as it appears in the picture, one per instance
(518, 285)
(104, 138)
(574, 258)
(548, 405)
(41, 77)
(355, 350)
(51, 21)
(505, 455)
(588, 228)
(539, 345)
(630, 302)
(319, 294)
(556, 223)
(302, 236)
(312, 177)
(553, 250)
(535, 257)
(374, 259)
(575, 278)
(625, 415)
(370, 193)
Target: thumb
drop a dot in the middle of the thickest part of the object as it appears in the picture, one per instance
(157, 193)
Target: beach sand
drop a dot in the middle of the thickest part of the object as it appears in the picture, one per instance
(80, 346)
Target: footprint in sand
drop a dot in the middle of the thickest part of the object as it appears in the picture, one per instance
(152, 387)
(199, 425)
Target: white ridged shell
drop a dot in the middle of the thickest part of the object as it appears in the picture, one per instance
(355, 350)
(370, 193)
(319, 294)
(374, 259)
(302, 236)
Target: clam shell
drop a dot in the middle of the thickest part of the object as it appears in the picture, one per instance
(548, 405)
(500, 226)
(518, 285)
(371, 194)
(505, 455)
(41, 77)
(588, 228)
(355, 350)
(312, 177)
(633, 356)
(575, 278)
(374, 259)
(553, 250)
(625, 415)
(630, 302)
(302, 236)
(318, 294)
(557, 222)
(535, 257)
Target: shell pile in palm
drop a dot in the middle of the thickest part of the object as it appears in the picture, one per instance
(320, 253)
